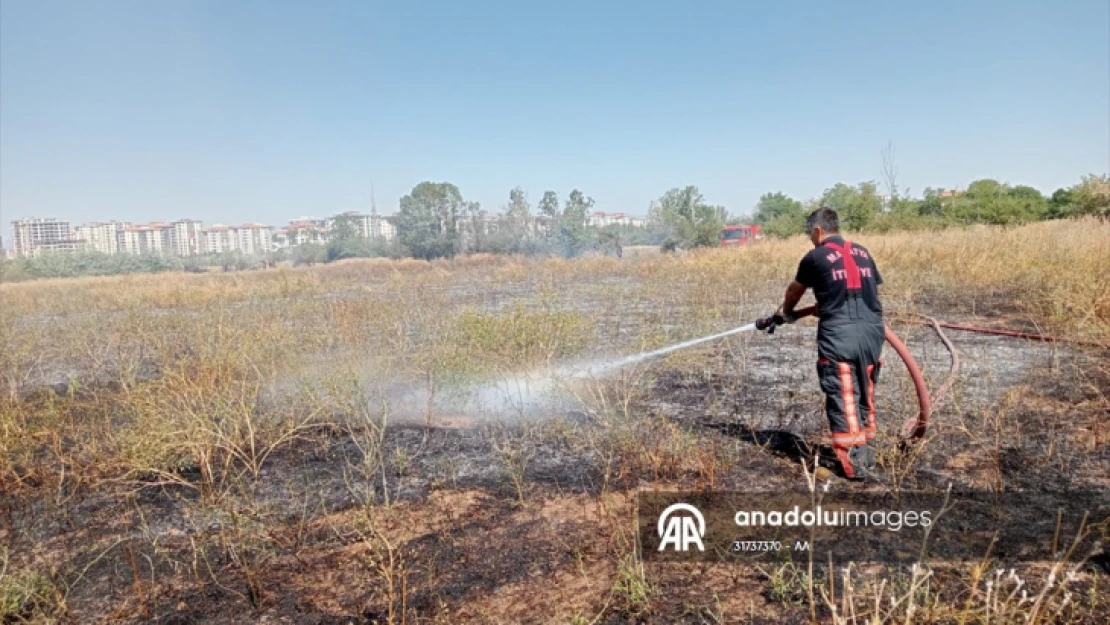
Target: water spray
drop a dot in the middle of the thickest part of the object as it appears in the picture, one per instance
(603, 369)
(537, 392)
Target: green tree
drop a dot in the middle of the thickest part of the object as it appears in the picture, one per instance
(1061, 204)
(344, 227)
(780, 215)
(518, 220)
(309, 254)
(686, 220)
(427, 222)
(931, 204)
(549, 205)
(1027, 204)
(475, 233)
(346, 241)
(1092, 196)
(355, 247)
(904, 205)
(549, 208)
(992, 202)
(573, 238)
(857, 206)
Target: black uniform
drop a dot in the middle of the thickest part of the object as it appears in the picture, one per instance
(844, 279)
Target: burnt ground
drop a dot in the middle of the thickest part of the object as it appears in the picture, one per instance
(531, 521)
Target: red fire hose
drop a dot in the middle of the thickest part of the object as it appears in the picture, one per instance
(1032, 336)
(915, 428)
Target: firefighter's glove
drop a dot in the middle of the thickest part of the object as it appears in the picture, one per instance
(768, 324)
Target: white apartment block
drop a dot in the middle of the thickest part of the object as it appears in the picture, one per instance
(248, 239)
(129, 240)
(161, 237)
(219, 238)
(369, 226)
(300, 232)
(254, 238)
(145, 239)
(187, 237)
(385, 228)
(103, 237)
(33, 235)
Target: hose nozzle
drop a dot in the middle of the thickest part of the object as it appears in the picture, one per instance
(768, 324)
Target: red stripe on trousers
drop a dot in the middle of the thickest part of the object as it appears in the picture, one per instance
(848, 395)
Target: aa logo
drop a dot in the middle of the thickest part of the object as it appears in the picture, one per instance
(679, 529)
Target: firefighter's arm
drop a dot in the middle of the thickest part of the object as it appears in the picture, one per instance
(794, 294)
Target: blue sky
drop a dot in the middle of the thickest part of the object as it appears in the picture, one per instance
(264, 110)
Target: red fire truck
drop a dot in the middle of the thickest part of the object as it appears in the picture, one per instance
(735, 236)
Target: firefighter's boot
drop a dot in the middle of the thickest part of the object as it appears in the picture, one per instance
(857, 462)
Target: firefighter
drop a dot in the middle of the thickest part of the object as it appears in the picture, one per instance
(850, 335)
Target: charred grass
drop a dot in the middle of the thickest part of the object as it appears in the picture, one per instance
(285, 444)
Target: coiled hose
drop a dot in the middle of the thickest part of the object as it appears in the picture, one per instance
(915, 427)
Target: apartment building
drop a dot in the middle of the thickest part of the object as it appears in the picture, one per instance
(248, 239)
(34, 235)
(609, 219)
(254, 238)
(152, 238)
(300, 232)
(218, 238)
(313, 222)
(187, 237)
(384, 227)
(103, 237)
(372, 226)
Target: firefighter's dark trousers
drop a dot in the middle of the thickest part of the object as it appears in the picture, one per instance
(848, 366)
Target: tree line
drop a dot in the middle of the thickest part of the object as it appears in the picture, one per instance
(434, 220)
(429, 219)
(863, 208)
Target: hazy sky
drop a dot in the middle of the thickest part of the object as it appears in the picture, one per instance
(238, 110)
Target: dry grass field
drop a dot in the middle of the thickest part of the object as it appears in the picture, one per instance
(348, 443)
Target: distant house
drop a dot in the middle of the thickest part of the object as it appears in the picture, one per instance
(614, 219)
